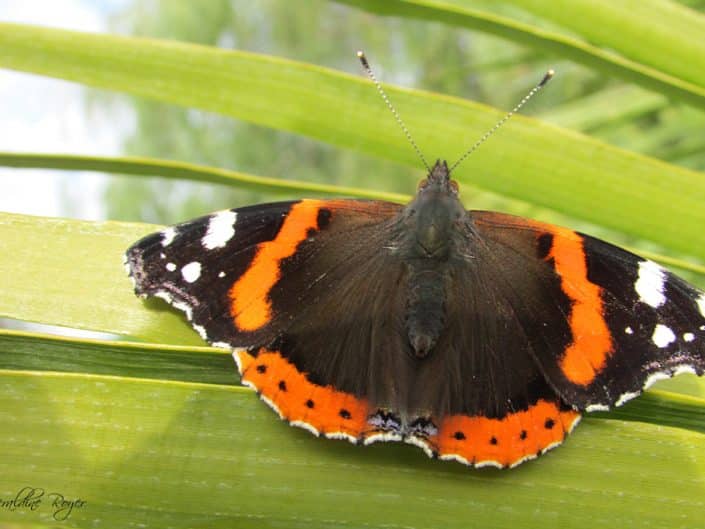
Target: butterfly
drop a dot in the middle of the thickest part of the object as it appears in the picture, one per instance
(478, 336)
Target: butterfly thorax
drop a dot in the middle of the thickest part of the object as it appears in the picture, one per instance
(432, 224)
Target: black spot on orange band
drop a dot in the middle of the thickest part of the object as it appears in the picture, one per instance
(507, 441)
(298, 400)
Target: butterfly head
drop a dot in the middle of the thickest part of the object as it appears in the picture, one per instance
(433, 215)
(436, 217)
(438, 180)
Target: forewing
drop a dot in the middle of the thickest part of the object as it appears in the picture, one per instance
(242, 275)
(608, 323)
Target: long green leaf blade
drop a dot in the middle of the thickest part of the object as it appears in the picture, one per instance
(529, 160)
(31, 351)
(606, 107)
(139, 166)
(70, 273)
(674, 30)
(670, 29)
(188, 455)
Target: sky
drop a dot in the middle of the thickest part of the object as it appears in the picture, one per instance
(40, 114)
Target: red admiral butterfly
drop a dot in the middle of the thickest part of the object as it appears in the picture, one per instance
(477, 336)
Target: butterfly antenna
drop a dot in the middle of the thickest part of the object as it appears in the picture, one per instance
(371, 75)
(544, 81)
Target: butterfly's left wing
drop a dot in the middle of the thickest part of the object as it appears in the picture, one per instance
(626, 321)
(304, 292)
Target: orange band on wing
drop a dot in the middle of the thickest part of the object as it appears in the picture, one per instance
(504, 442)
(321, 409)
(251, 307)
(592, 342)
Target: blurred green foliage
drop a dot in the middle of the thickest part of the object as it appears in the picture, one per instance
(410, 53)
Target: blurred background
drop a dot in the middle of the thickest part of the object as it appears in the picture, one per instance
(47, 115)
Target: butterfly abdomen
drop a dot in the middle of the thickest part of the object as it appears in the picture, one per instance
(425, 316)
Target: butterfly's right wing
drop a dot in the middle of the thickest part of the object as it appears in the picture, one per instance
(611, 324)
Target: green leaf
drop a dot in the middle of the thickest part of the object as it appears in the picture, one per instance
(605, 107)
(191, 455)
(529, 160)
(132, 165)
(670, 30)
(70, 273)
(624, 27)
(31, 351)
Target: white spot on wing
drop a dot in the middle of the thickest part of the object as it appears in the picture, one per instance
(655, 377)
(201, 331)
(191, 272)
(248, 384)
(341, 435)
(650, 283)
(271, 404)
(382, 437)
(574, 423)
(682, 370)
(236, 356)
(221, 274)
(174, 303)
(164, 295)
(168, 235)
(171, 267)
(183, 307)
(672, 372)
(521, 460)
(625, 397)
(596, 407)
(455, 457)
(629, 330)
(663, 336)
(221, 229)
(551, 446)
(305, 426)
(701, 306)
(488, 463)
(421, 443)
(689, 337)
